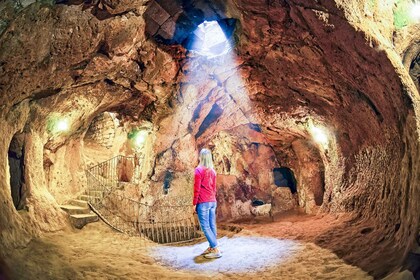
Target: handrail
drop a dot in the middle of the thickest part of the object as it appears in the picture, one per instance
(99, 182)
(162, 206)
(101, 163)
(103, 218)
(159, 223)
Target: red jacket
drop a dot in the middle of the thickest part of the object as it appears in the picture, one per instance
(204, 185)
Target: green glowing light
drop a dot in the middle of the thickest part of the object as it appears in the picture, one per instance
(58, 125)
(62, 125)
(405, 13)
(138, 137)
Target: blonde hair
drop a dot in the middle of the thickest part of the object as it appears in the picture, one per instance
(206, 159)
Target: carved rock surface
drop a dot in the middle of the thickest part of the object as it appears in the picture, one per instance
(295, 69)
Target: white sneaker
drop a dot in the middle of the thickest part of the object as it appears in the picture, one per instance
(208, 250)
(214, 254)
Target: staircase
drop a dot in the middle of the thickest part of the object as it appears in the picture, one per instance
(101, 178)
(79, 212)
(165, 221)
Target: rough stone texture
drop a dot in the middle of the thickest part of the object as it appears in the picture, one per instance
(283, 200)
(296, 65)
(407, 45)
(262, 210)
(102, 130)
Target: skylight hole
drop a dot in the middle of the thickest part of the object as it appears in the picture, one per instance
(212, 38)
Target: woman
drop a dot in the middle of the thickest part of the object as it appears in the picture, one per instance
(205, 201)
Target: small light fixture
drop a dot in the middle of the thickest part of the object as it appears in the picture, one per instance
(415, 11)
(57, 125)
(320, 135)
(62, 125)
(139, 138)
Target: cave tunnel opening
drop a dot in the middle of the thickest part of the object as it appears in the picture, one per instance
(415, 70)
(16, 157)
(319, 192)
(284, 177)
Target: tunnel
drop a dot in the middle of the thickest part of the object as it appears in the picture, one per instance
(16, 159)
(310, 111)
(284, 177)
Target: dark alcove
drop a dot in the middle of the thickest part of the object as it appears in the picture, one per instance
(284, 177)
(16, 168)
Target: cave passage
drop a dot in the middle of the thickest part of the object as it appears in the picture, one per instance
(284, 177)
(16, 159)
(311, 112)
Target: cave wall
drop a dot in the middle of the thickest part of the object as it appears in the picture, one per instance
(311, 179)
(330, 63)
(39, 213)
(102, 130)
(204, 114)
(368, 114)
(64, 172)
(65, 52)
(300, 63)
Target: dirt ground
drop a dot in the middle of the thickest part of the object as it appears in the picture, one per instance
(293, 224)
(262, 249)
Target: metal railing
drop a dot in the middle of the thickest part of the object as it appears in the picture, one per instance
(118, 169)
(162, 222)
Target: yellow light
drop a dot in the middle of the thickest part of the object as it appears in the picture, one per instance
(62, 125)
(319, 135)
(140, 138)
(415, 11)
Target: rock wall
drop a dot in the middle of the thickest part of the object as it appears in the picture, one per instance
(298, 66)
(102, 130)
(294, 68)
(73, 80)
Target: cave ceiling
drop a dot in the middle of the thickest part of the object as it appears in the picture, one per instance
(292, 65)
(295, 61)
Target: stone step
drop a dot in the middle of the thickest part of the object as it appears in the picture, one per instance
(78, 202)
(95, 193)
(80, 220)
(72, 209)
(89, 198)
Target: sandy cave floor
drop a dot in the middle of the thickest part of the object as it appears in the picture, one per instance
(262, 250)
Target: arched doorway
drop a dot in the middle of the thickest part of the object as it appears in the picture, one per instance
(16, 158)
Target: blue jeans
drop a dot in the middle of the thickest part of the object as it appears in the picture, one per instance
(206, 212)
